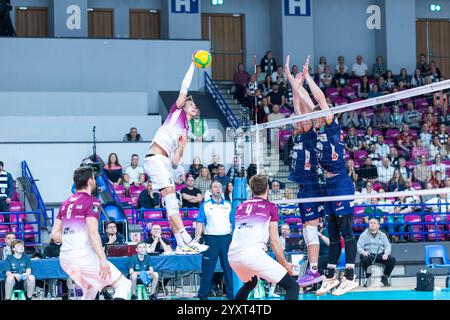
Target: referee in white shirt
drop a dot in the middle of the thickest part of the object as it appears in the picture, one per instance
(216, 222)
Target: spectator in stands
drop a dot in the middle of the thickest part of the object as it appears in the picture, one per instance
(285, 233)
(192, 197)
(276, 96)
(352, 142)
(325, 79)
(372, 154)
(396, 118)
(437, 148)
(240, 79)
(404, 170)
(436, 180)
(422, 172)
(222, 177)
(156, 243)
(365, 121)
(374, 92)
(359, 69)
(447, 148)
(111, 235)
(6, 191)
(214, 166)
(113, 170)
(275, 193)
(10, 237)
(378, 69)
(382, 85)
(381, 120)
(228, 194)
(367, 190)
(405, 141)
(198, 128)
(418, 149)
(440, 99)
(134, 174)
(141, 271)
(382, 148)
(275, 115)
(439, 166)
(263, 111)
(268, 63)
(341, 78)
(373, 212)
(18, 271)
(441, 206)
(178, 175)
(443, 135)
(444, 116)
(411, 117)
(351, 170)
(368, 172)
(279, 77)
(404, 78)
(260, 75)
(374, 246)
(148, 198)
(396, 183)
(203, 181)
(195, 167)
(350, 119)
(390, 80)
(426, 136)
(267, 86)
(364, 88)
(321, 66)
(396, 223)
(132, 136)
(422, 65)
(341, 65)
(369, 138)
(385, 171)
(393, 156)
(417, 80)
(234, 170)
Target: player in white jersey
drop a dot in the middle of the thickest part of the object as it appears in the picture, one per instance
(256, 222)
(167, 150)
(81, 255)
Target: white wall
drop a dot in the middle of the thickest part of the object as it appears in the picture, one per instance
(73, 103)
(75, 129)
(53, 163)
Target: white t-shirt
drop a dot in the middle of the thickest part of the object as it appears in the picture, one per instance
(134, 174)
(360, 69)
(441, 167)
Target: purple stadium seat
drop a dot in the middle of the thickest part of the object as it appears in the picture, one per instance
(128, 212)
(355, 99)
(372, 82)
(284, 136)
(192, 214)
(416, 185)
(421, 102)
(389, 142)
(153, 215)
(392, 133)
(360, 155)
(135, 192)
(285, 111)
(125, 199)
(446, 162)
(166, 234)
(377, 132)
(401, 110)
(162, 223)
(358, 220)
(413, 133)
(293, 220)
(354, 83)
(410, 164)
(370, 112)
(339, 101)
(360, 133)
(120, 190)
(332, 92)
(415, 228)
(16, 206)
(431, 228)
(3, 231)
(17, 217)
(188, 223)
(348, 92)
(406, 101)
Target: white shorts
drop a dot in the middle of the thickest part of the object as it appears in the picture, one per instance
(84, 269)
(157, 167)
(255, 262)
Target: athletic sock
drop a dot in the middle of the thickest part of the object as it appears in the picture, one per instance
(330, 272)
(185, 236)
(349, 274)
(179, 239)
(314, 267)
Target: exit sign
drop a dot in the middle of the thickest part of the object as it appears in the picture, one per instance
(435, 7)
(217, 2)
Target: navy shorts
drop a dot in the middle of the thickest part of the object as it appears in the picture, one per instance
(311, 210)
(339, 185)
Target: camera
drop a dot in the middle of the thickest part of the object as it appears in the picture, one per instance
(96, 167)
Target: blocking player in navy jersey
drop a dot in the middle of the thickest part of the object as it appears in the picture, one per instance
(304, 168)
(330, 154)
(82, 256)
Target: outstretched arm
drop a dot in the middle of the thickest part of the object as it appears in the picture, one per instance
(302, 102)
(316, 91)
(185, 86)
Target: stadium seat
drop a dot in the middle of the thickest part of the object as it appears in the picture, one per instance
(377, 132)
(188, 223)
(389, 142)
(135, 192)
(153, 215)
(17, 217)
(416, 228)
(15, 196)
(192, 214)
(125, 200)
(339, 101)
(293, 220)
(413, 133)
(431, 228)
(3, 231)
(162, 223)
(372, 82)
(416, 185)
(355, 100)
(410, 164)
(359, 155)
(16, 206)
(332, 92)
(360, 133)
(392, 133)
(406, 101)
(120, 190)
(354, 83)
(436, 257)
(421, 102)
(377, 186)
(348, 92)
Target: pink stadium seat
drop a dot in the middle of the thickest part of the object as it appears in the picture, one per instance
(358, 210)
(16, 206)
(359, 155)
(446, 162)
(285, 111)
(360, 133)
(125, 199)
(192, 214)
(415, 228)
(284, 136)
(15, 196)
(293, 220)
(29, 232)
(120, 190)
(406, 101)
(410, 164)
(332, 92)
(391, 200)
(348, 92)
(429, 162)
(358, 220)
(339, 101)
(14, 217)
(134, 201)
(153, 215)
(3, 230)
(431, 228)
(421, 102)
(377, 132)
(188, 223)
(416, 185)
(401, 110)
(392, 133)
(389, 142)
(135, 192)
(178, 187)
(128, 212)
(162, 223)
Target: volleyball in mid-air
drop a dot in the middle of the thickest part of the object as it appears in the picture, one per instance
(202, 59)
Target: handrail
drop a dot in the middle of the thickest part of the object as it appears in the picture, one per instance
(221, 103)
(109, 187)
(26, 172)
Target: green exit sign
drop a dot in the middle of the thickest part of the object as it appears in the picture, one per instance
(435, 7)
(217, 2)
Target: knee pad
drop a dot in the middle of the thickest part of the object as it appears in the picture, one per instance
(311, 235)
(122, 288)
(171, 203)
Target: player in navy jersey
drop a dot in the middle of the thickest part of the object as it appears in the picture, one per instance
(304, 168)
(330, 155)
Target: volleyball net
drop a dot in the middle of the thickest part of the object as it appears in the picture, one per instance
(397, 155)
